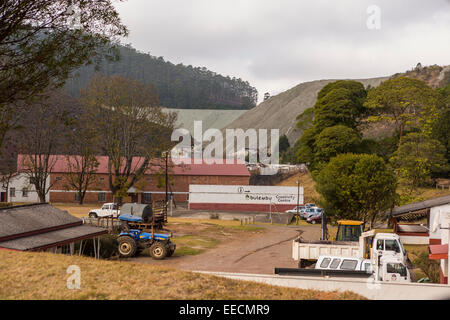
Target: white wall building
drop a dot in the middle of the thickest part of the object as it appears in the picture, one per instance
(21, 190)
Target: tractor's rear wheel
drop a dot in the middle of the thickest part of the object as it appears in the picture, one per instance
(127, 246)
(158, 251)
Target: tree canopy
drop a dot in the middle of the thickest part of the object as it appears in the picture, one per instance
(335, 140)
(178, 86)
(42, 41)
(417, 157)
(405, 102)
(340, 102)
(356, 186)
(336, 116)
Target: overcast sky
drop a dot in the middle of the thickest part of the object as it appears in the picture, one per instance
(276, 44)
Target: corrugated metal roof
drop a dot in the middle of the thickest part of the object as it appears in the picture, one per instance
(417, 206)
(60, 164)
(53, 238)
(38, 226)
(23, 220)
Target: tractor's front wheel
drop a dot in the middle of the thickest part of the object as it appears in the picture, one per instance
(127, 246)
(158, 251)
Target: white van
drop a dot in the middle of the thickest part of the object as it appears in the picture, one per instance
(343, 263)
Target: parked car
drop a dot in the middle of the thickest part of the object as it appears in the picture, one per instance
(107, 210)
(309, 212)
(294, 210)
(315, 219)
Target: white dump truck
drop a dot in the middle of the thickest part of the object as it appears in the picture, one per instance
(370, 246)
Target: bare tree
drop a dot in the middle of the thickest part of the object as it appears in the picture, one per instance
(43, 132)
(133, 130)
(81, 158)
(81, 173)
(7, 172)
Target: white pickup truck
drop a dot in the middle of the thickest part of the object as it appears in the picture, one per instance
(107, 210)
(389, 268)
(369, 246)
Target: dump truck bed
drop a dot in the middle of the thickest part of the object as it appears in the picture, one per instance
(312, 250)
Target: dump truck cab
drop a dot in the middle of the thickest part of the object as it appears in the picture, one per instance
(349, 230)
(391, 269)
(388, 244)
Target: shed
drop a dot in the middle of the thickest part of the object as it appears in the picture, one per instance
(403, 218)
(42, 227)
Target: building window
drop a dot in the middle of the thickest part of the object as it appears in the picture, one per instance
(102, 197)
(58, 178)
(12, 192)
(77, 197)
(102, 179)
(24, 192)
(146, 197)
(32, 180)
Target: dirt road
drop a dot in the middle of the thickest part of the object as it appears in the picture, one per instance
(260, 253)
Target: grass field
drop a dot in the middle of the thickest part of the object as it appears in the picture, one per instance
(192, 236)
(27, 275)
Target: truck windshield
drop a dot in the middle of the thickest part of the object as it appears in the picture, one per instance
(392, 245)
(396, 268)
(348, 233)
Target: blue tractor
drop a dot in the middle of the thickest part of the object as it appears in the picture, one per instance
(140, 229)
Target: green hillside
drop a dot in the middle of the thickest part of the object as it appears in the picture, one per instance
(178, 86)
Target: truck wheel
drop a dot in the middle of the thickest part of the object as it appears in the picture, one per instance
(158, 251)
(127, 246)
(92, 215)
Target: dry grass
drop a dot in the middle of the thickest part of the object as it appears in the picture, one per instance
(43, 276)
(306, 181)
(76, 209)
(195, 236)
(422, 194)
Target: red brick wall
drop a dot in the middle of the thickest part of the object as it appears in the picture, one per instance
(149, 183)
(241, 207)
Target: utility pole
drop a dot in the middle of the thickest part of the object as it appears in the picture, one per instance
(298, 197)
(167, 177)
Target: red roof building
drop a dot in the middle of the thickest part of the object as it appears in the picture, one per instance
(151, 185)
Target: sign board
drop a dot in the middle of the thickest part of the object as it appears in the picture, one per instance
(234, 194)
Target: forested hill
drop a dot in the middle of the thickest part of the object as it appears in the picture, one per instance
(178, 86)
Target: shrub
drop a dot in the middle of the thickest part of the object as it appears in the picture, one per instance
(431, 268)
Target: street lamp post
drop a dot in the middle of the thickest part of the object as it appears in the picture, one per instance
(298, 198)
(167, 177)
